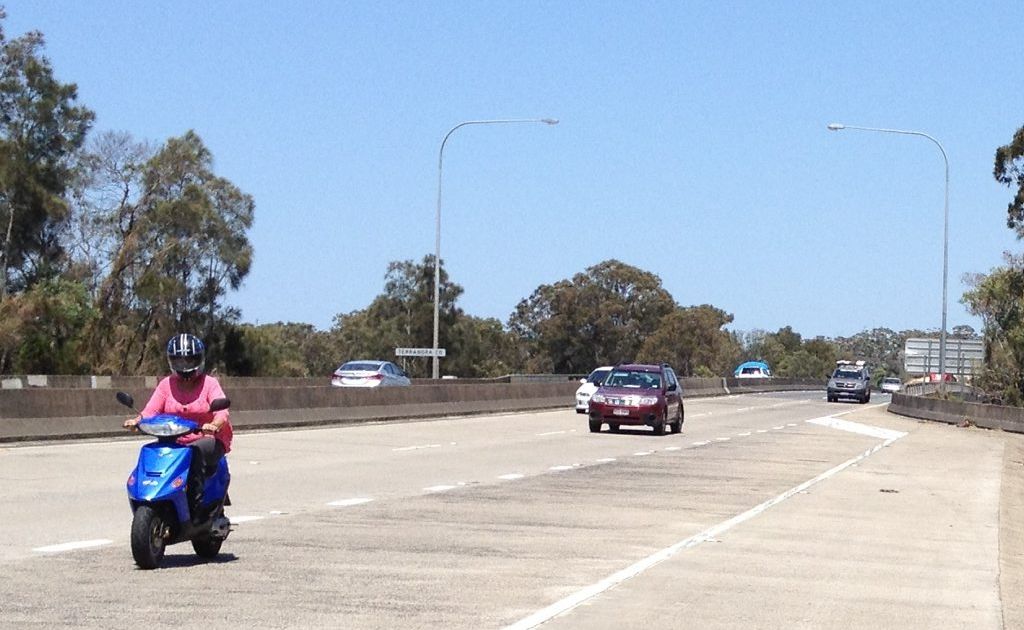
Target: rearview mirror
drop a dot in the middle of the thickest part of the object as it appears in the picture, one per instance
(220, 404)
(126, 400)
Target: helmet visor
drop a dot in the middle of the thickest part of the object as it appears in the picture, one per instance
(185, 364)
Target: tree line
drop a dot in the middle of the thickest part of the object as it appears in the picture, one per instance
(111, 244)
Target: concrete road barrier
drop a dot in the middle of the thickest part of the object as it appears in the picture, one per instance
(50, 413)
(956, 412)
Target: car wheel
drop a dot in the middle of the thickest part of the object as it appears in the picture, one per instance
(595, 426)
(659, 426)
(677, 426)
(831, 399)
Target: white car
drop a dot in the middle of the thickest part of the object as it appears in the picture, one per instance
(369, 374)
(891, 384)
(588, 386)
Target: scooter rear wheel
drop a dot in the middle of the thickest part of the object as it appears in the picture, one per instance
(207, 546)
(148, 542)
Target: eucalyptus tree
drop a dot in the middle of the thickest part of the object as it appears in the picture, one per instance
(1009, 171)
(998, 297)
(401, 316)
(176, 249)
(41, 127)
(600, 316)
(693, 340)
(40, 328)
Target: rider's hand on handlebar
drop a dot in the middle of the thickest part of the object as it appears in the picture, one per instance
(132, 423)
(210, 427)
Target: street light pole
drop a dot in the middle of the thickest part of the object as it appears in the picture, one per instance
(945, 235)
(437, 219)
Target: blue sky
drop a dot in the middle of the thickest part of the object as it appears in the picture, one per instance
(692, 143)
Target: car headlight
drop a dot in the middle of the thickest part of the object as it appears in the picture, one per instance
(646, 401)
(858, 386)
(598, 398)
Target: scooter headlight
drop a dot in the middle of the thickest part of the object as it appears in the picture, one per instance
(164, 427)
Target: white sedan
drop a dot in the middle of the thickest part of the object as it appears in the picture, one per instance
(891, 384)
(588, 386)
(369, 374)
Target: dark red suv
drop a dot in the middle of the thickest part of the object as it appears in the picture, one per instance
(635, 394)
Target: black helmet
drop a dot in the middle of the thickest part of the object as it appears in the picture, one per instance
(186, 355)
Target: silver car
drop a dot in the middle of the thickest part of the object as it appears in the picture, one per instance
(369, 374)
(850, 380)
(891, 384)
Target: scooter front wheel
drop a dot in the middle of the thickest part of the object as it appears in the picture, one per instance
(148, 541)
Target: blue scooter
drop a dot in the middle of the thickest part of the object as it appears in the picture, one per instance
(157, 492)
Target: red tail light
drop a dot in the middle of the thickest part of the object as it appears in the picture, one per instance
(376, 377)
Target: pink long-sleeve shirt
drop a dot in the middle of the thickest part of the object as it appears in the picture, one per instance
(191, 400)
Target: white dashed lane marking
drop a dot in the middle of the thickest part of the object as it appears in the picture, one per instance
(828, 421)
(711, 534)
(244, 519)
(439, 488)
(350, 502)
(73, 546)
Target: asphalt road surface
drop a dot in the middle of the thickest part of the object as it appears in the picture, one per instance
(767, 511)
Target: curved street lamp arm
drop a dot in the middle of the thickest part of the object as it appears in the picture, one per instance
(437, 218)
(945, 232)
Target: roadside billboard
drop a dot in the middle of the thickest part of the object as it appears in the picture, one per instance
(964, 357)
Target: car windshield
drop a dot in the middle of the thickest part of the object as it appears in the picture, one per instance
(847, 374)
(631, 378)
(892, 381)
(597, 376)
(356, 366)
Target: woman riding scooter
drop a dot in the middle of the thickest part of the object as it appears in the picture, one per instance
(188, 392)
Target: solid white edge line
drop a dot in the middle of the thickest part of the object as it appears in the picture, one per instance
(72, 546)
(511, 476)
(568, 603)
